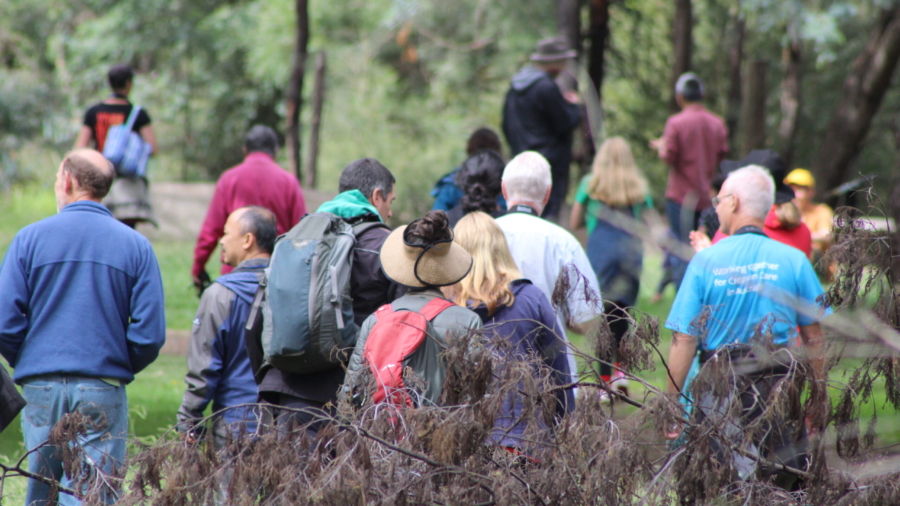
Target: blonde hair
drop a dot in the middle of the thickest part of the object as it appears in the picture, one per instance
(788, 215)
(493, 267)
(616, 180)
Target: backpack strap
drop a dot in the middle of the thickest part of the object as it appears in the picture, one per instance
(435, 307)
(132, 117)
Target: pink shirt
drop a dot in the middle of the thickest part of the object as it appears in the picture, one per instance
(259, 181)
(696, 141)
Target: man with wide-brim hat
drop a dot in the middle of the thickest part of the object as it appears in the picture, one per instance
(538, 116)
(423, 257)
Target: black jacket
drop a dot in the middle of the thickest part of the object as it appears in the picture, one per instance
(536, 117)
(370, 289)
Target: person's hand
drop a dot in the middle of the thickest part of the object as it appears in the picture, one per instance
(699, 241)
(572, 96)
(202, 282)
(659, 145)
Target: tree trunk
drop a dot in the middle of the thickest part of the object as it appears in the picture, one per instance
(599, 32)
(735, 63)
(863, 91)
(753, 113)
(568, 22)
(790, 99)
(682, 43)
(295, 87)
(318, 99)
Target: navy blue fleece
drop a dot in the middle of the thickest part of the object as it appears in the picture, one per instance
(80, 293)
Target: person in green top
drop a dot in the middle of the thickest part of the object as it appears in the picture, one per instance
(609, 201)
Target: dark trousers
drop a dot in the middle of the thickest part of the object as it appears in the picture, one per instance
(560, 179)
(681, 222)
(300, 413)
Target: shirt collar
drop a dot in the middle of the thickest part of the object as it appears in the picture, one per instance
(86, 205)
(253, 263)
(258, 155)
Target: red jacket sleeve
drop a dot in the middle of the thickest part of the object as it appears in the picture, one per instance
(212, 230)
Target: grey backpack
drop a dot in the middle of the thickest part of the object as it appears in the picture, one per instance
(307, 313)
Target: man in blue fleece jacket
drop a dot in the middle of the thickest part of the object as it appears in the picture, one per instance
(81, 311)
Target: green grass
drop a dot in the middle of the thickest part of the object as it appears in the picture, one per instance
(155, 395)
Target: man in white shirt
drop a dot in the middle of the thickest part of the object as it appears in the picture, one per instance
(544, 251)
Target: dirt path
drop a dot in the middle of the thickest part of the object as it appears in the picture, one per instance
(180, 209)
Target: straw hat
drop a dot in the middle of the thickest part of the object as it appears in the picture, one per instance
(442, 263)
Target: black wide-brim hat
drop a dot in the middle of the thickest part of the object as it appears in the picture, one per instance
(552, 49)
(771, 161)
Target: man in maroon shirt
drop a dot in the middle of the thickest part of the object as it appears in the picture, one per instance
(693, 144)
(259, 181)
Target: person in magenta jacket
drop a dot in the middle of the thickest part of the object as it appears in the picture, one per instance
(258, 181)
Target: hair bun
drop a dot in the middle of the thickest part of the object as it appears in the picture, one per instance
(432, 227)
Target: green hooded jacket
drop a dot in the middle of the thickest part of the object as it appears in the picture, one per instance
(349, 204)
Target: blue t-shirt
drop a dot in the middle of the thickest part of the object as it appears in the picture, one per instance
(743, 281)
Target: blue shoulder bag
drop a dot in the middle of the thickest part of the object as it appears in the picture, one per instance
(127, 151)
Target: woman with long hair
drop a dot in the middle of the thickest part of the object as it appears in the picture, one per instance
(513, 311)
(611, 200)
(479, 178)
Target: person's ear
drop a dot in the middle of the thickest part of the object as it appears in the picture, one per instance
(68, 183)
(248, 242)
(503, 191)
(547, 195)
(377, 197)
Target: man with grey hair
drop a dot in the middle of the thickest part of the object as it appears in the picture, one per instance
(81, 312)
(545, 252)
(538, 116)
(258, 181)
(733, 290)
(693, 144)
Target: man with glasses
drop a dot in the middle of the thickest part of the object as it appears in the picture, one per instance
(746, 285)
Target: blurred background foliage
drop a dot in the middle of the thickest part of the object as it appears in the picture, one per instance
(407, 80)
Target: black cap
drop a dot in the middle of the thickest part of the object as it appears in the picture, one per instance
(771, 161)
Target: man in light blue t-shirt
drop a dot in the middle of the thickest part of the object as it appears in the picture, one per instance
(744, 285)
(743, 281)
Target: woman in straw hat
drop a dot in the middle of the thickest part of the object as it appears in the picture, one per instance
(516, 315)
(423, 257)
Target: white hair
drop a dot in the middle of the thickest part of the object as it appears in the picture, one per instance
(755, 189)
(527, 177)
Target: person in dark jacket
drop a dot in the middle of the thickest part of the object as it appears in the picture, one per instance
(366, 195)
(479, 177)
(537, 116)
(218, 367)
(81, 312)
(422, 257)
(515, 311)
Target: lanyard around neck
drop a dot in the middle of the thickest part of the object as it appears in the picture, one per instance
(522, 208)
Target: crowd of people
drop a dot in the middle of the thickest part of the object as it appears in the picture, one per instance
(486, 261)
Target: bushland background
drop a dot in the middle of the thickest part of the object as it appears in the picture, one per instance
(408, 80)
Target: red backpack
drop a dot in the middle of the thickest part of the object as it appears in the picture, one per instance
(398, 339)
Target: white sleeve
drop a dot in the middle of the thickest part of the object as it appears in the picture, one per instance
(584, 301)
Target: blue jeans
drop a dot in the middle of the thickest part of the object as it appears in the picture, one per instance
(49, 398)
(681, 222)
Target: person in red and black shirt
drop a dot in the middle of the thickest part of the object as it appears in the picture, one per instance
(128, 199)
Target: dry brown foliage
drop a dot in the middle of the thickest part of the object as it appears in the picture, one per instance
(600, 454)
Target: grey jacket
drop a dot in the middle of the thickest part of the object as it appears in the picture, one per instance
(452, 322)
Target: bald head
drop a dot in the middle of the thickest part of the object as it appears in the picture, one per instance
(93, 175)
